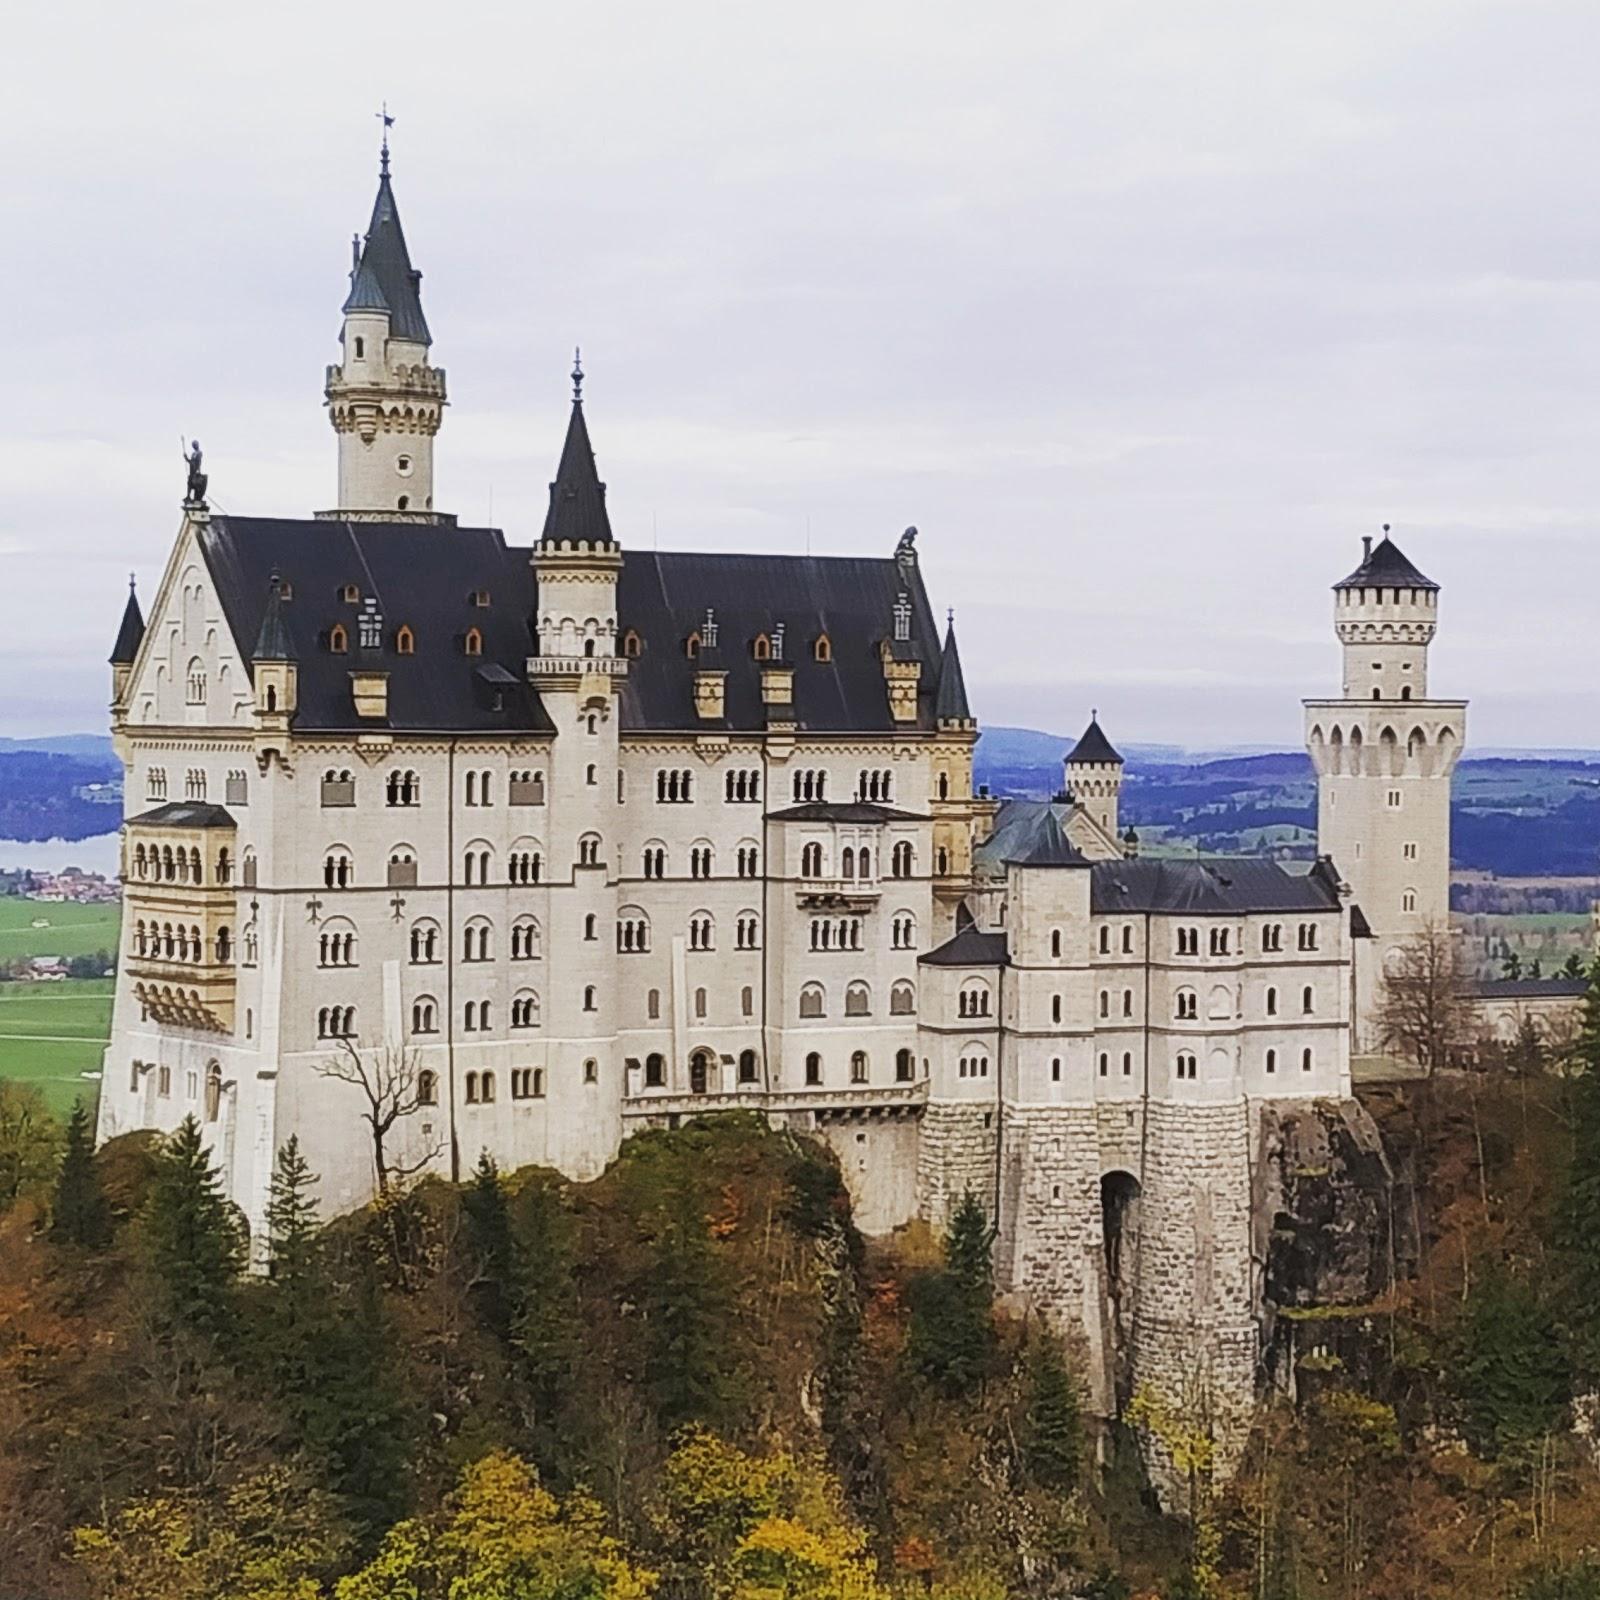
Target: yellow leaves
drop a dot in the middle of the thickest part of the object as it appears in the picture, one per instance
(266, 1540)
(1184, 1432)
(501, 1536)
(783, 1559)
(724, 1222)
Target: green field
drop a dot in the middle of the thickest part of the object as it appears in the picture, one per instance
(71, 930)
(52, 1033)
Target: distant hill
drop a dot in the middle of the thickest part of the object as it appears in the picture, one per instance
(1514, 814)
(94, 748)
(48, 795)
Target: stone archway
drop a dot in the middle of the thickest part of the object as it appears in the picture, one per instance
(1120, 1195)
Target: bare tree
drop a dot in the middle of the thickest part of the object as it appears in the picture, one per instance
(1422, 1009)
(390, 1079)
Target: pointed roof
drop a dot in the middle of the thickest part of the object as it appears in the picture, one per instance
(577, 497)
(1385, 565)
(951, 704)
(1044, 844)
(272, 642)
(131, 633)
(384, 279)
(1093, 746)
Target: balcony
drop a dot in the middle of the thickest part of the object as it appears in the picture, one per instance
(838, 894)
(834, 1103)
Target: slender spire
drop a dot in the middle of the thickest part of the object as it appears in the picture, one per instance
(577, 497)
(131, 633)
(577, 375)
(272, 642)
(383, 278)
(950, 705)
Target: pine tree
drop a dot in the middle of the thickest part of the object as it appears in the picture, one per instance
(497, 1287)
(191, 1235)
(1511, 1375)
(951, 1337)
(80, 1214)
(322, 1350)
(546, 1332)
(1577, 1233)
(688, 1309)
(1053, 1442)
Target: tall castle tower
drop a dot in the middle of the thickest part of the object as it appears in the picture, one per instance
(1384, 754)
(1093, 772)
(384, 400)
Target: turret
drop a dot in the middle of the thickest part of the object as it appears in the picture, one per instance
(1093, 771)
(272, 661)
(384, 400)
(126, 650)
(950, 708)
(1385, 614)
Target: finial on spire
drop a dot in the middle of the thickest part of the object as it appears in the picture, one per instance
(577, 376)
(1386, 529)
(133, 584)
(383, 153)
(950, 617)
(1094, 713)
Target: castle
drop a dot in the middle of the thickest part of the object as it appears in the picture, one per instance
(536, 846)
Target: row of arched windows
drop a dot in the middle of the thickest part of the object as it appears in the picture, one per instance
(674, 786)
(168, 941)
(875, 783)
(841, 933)
(742, 785)
(336, 1022)
(166, 864)
(857, 1000)
(973, 1000)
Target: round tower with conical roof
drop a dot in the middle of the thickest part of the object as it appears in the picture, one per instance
(1384, 753)
(384, 399)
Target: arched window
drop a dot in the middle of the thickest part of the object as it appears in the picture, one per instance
(472, 642)
(749, 1069)
(632, 645)
(1272, 1002)
(1055, 1008)
(973, 1001)
(746, 932)
(1308, 1000)
(813, 1001)
(1305, 1059)
(761, 647)
(900, 859)
(811, 860)
(405, 641)
(525, 1009)
(590, 926)
(213, 1091)
(1272, 1061)
(472, 1088)
(858, 1000)
(427, 1087)
(655, 861)
(822, 648)
(486, 1086)
(847, 862)
(1188, 1005)
(903, 931)
(424, 943)
(589, 850)
(813, 1069)
(338, 640)
(655, 1071)
(424, 1015)
(337, 870)
(701, 931)
(902, 1000)
(905, 1066)
(195, 687)
(591, 1001)
(858, 1066)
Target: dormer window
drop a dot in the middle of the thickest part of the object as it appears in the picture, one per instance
(691, 645)
(405, 641)
(472, 642)
(350, 594)
(285, 589)
(902, 617)
(762, 647)
(479, 598)
(338, 639)
(822, 650)
(632, 645)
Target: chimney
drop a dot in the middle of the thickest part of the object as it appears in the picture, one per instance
(1366, 548)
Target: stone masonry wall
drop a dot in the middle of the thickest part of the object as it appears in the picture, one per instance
(956, 1152)
(1195, 1336)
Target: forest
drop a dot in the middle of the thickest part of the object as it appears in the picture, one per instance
(694, 1379)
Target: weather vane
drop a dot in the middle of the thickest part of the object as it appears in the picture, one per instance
(382, 114)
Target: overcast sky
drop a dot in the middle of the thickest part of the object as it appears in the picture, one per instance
(1143, 315)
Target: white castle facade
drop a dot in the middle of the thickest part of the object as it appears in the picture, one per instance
(581, 840)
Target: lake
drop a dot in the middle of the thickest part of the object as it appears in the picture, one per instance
(99, 854)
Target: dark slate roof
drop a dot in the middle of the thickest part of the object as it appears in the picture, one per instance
(272, 638)
(1360, 928)
(663, 596)
(384, 277)
(1094, 746)
(184, 814)
(842, 811)
(969, 948)
(421, 574)
(1385, 565)
(424, 574)
(1042, 843)
(1218, 886)
(130, 634)
(577, 497)
(951, 704)
(1528, 988)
